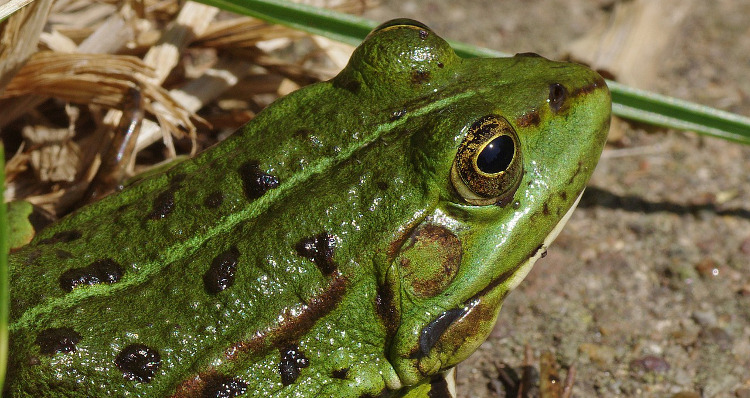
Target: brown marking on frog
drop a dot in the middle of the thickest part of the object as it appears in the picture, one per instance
(386, 309)
(208, 384)
(430, 259)
(194, 386)
(589, 88)
(278, 336)
(529, 119)
(291, 327)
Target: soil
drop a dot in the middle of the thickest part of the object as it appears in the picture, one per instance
(646, 290)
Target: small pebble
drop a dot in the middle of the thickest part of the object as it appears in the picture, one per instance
(705, 318)
(649, 363)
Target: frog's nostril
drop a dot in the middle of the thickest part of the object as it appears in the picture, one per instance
(557, 96)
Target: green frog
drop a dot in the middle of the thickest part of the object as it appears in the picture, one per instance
(356, 239)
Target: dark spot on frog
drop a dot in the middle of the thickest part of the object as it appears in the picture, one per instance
(138, 362)
(563, 195)
(256, 182)
(101, 271)
(63, 254)
(341, 374)
(420, 76)
(386, 309)
(435, 329)
(55, 340)
(439, 387)
(221, 273)
(292, 361)
(163, 205)
(214, 200)
(62, 237)
(423, 34)
(440, 65)
(395, 115)
(220, 386)
(382, 185)
(529, 119)
(319, 249)
(545, 209)
(33, 256)
(177, 179)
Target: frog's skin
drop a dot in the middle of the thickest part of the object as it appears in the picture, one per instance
(345, 243)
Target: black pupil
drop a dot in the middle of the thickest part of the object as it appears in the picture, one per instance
(496, 156)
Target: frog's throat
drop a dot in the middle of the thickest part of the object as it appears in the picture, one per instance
(524, 269)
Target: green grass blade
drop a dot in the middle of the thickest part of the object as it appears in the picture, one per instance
(337, 26)
(629, 103)
(660, 110)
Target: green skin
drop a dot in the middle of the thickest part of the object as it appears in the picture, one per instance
(365, 158)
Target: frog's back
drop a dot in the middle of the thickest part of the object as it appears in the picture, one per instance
(233, 255)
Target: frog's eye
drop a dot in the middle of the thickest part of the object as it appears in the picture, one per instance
(488, 165)
(557, 96)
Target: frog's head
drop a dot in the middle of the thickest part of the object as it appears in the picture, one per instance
(506, 147)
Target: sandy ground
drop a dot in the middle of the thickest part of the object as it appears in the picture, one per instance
(646, 290)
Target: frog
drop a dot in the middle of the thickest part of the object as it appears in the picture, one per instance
(357, 238)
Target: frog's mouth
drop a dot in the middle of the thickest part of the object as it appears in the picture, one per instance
(456, 333)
